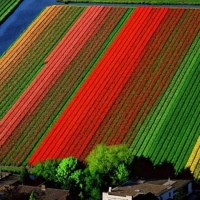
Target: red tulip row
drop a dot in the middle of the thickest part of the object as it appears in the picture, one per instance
(187, 33)
(47, 77)
(37, 53)
(187, 36)
(88, 108)
(90, 127)
(28, 66)
(70, 80)
(169, 59)
(29, 131)
(44, 149)
(113, 128)
(133, 105)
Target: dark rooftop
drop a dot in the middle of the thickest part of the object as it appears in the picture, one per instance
(46, 194)
(176, 184)
(142, 188)
(157, 187)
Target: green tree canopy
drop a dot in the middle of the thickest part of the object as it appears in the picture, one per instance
(47, 169)
(69, 173)
(106, 158)
(108, 166)
(32, 197)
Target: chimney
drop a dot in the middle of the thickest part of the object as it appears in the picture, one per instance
(43, 187)
(110, 189)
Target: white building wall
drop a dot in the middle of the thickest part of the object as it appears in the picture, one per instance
(106, 196)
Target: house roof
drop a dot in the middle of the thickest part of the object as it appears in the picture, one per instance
(8, 179)
(156, 187)
(176, 184)
(143, 188)
(47, 194)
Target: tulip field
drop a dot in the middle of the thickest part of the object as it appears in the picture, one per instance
(6, 7)
(82, 76)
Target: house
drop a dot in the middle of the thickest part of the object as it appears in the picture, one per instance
(45, 193)
(22, 192)
(154, 189)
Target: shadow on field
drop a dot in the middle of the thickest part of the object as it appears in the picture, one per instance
(143, 168)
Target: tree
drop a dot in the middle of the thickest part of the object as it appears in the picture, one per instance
(70, 174)
(121, 174)
(105, 158)
(24, 176)
(47, 169)
(108, 158)
(107, 165)
(38, 169)
(32, 197)
(93, 185)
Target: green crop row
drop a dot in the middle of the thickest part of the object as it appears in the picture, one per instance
(57, 91)
(90, 67)
(6, 7)
(189, 63)
(171, 122)
(136, 1)
(147, 133)
(48, 40)
(33, 63)
(156, 128)
(174, 137)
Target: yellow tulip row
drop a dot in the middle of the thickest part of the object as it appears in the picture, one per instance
(194, 157)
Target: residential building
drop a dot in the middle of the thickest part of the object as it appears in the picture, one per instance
(155, 189)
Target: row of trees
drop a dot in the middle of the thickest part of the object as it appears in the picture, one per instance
(105, 166)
